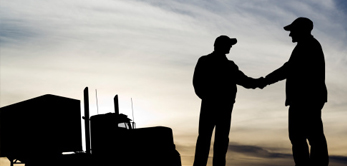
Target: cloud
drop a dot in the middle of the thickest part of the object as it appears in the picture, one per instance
(338, 159)
(265, 153)
(256, 151)
(253, 155)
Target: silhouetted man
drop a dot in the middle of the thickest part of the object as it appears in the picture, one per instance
(306, 94)
(215, 79)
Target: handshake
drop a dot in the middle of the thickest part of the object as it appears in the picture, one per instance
(259, 83)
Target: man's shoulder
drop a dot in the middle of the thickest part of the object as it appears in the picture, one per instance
(316, 43)
(205, 57)
(232, 63)
(311, 46)
(312, 43)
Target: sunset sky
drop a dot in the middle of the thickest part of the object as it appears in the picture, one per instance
(147, 50)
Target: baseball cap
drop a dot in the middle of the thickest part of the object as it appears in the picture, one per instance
(301, 23)
(224, 40)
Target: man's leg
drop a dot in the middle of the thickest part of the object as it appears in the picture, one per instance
(206, 125)
(221, 141)
(319, 150)
(297, 135)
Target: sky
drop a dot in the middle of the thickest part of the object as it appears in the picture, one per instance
(146, 51)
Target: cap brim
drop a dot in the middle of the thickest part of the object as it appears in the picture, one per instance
(233, 41)
(287, 28)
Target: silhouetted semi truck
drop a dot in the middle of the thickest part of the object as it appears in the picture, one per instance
(37, 132)
(40, 128)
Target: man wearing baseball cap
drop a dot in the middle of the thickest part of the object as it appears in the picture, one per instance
(306, 94)
(215, 78)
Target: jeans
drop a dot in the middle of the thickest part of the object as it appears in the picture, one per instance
(305, 123)
(213, 114)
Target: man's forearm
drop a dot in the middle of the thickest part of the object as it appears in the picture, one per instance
(277, 75)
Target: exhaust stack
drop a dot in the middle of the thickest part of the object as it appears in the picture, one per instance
(116, 105)
(86, 119)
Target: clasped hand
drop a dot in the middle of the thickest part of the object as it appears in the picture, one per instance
(260, 83)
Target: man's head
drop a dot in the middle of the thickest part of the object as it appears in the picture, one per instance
(223, 44)
(300, 28)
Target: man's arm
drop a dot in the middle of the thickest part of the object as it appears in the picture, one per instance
(198, 78)
(247, 82)
(277, 75)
